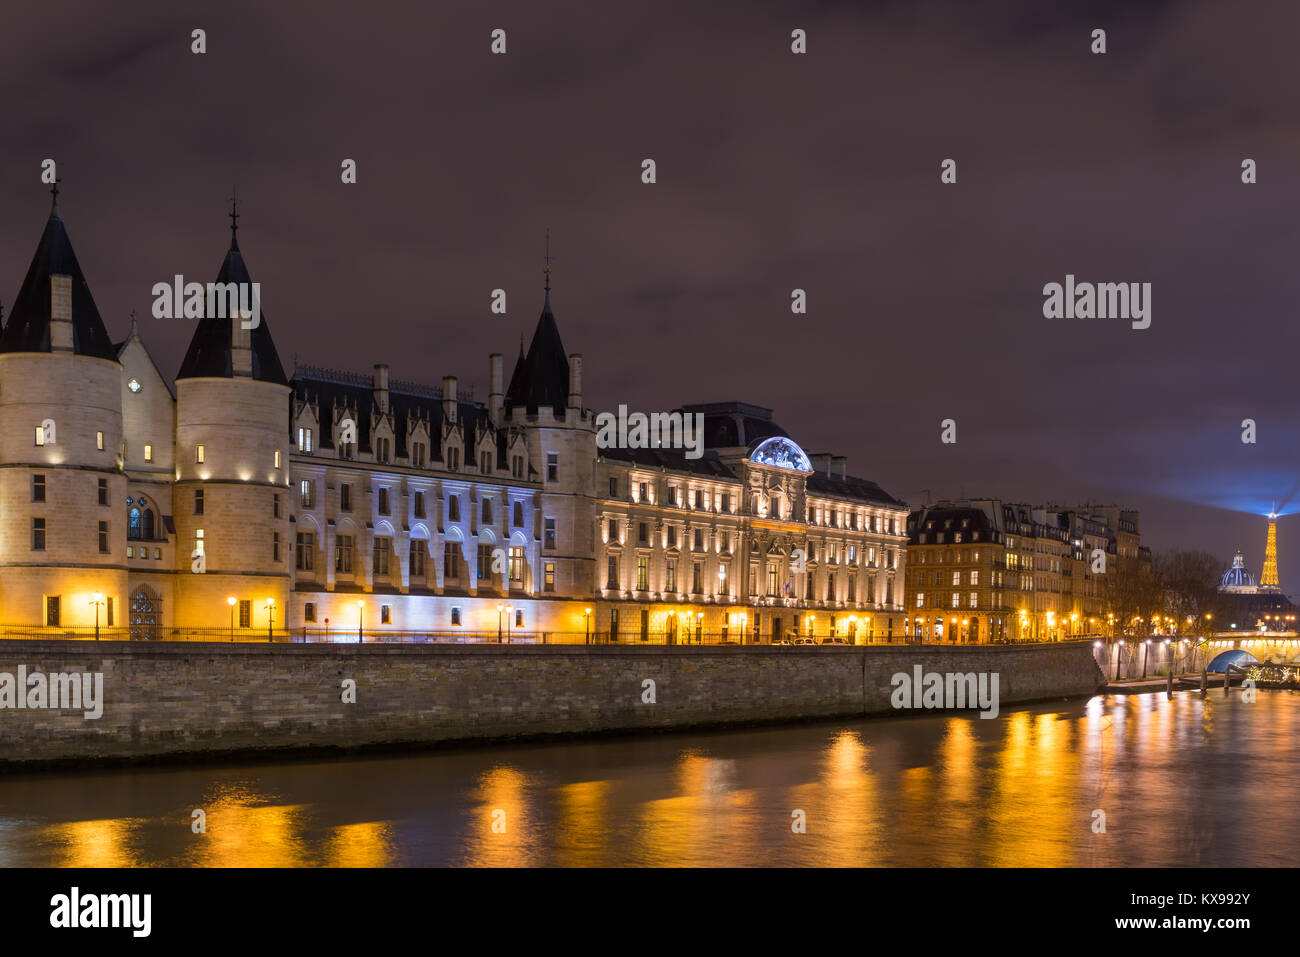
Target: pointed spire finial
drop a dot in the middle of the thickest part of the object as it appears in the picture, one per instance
(54, 191)
(547, 270)
(134, 332)
(234, 218)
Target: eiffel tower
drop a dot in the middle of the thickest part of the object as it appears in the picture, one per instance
(1268, 578)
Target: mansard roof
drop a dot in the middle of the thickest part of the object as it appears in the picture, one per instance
(735, 424)
(541, 377)
(209, 354)
(850, 487)
(407, 402)
(708, 464)
(28, 327)
(977, 520)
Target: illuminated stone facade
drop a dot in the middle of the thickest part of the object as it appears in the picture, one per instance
(241, 500)
(985, 570)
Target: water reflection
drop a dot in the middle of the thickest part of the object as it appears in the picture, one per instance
(1194, 781)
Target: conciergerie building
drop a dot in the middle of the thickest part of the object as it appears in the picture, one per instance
(238, 498)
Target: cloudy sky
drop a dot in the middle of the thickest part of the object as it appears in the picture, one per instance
(775, 172)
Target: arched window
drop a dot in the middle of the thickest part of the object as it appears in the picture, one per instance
(140, 523)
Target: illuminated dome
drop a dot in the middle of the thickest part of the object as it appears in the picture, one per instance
(1237, 578)
(781, 452)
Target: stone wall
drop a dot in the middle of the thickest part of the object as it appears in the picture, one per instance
(173, 699)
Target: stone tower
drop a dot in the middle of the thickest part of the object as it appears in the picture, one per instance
(62, 527)
(231, 497)
(545, 399)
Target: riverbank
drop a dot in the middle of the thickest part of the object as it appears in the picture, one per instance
(197, 700)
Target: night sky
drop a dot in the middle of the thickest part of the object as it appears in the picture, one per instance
(775, 171)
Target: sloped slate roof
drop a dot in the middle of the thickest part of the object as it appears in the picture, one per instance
(28, 326)
(675, 459)
(209, 354)
(858, 489)
(541, 377)
(735, 424)
(405, 406)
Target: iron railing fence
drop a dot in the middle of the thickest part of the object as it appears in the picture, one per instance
(383, 635)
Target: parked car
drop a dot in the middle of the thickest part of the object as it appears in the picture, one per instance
(835, 641)
(804, 641)
(780, 641)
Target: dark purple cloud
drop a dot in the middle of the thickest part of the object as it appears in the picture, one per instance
(775, 171)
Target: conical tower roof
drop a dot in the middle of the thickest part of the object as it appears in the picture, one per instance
(28, 327)
(541, 377)
(210, 351)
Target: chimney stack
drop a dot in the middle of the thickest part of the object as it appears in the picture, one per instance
(575, 381)
(840, 464)
(449, 399)
(821, 462)
(496, 396)
(381, 387)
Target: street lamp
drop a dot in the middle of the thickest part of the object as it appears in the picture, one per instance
(500, 609)
(270, 618)
(586, 626)
(98, 600)
(361, 613)
(231, 602)
(699, 627)
(510, 609)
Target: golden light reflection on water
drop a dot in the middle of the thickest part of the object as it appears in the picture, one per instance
(500, 829)
(1019, 790)
(92, 843)
(708, 819)
(1033, 801)
(369, 844)
(844, 804)
(582, 836)
(253, 836)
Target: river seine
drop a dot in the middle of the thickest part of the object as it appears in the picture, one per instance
(1211, 782)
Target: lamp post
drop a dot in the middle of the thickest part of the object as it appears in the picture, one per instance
(500, 608)
(231, 602)
(510, 610)
(361, 614)
(98, 600)
(270, 618)
(812, 626)
(699, 627)
(586, 627)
